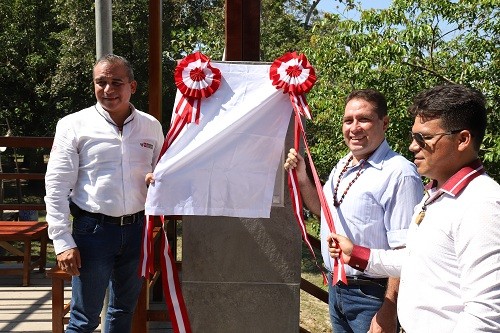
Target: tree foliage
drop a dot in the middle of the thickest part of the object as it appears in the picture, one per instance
(402, 50)
(49, 50)
(29, 57)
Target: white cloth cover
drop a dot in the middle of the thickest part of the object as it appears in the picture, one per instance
(226, 165)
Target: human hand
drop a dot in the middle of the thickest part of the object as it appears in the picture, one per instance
(338, 244)
(294, 160)
(69, 261)
(149, 178)
(385, 320)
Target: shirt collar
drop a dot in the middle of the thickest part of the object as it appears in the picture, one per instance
(106, 115)
(456, 183)
(377, 158)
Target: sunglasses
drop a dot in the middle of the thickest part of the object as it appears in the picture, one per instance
(420, 138)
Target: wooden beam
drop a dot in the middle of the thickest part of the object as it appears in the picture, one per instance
(233, 30)
(26, 141)
(242, 21)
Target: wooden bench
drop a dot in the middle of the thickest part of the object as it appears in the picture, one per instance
(25, 232)
(60, 308)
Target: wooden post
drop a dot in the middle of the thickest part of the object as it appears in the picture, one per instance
(140, 319)
(242, 19)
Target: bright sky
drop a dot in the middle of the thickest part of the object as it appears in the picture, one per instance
(333, 6)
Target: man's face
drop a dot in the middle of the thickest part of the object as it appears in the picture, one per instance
(436, 159)
(362, 129)
(112, 87)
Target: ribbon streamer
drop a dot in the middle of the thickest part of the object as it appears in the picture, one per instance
(294, 74)
(196, 79)
(170, 276)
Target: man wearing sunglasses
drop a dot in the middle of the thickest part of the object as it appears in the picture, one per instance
(450, 268)
(371, 194)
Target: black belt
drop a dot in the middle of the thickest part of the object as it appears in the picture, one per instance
(119, 220)
(366, 281)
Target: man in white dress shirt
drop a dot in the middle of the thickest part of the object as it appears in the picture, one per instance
(96, 170)
(450, 269)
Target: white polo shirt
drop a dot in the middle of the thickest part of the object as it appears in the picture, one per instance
(101, 169)
(450, 270)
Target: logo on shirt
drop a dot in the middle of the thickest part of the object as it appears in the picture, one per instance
(146, 145)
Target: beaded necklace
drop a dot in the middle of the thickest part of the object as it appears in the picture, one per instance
(335, 202)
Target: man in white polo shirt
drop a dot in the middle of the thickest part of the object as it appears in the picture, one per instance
(96, 169)
(450, 269)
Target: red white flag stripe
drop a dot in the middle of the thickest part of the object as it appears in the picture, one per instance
(203, 83)
(295, 75)
(173, 293)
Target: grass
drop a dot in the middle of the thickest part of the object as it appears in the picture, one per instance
(314, 315)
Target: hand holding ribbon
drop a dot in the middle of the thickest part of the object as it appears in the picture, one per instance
(294, 74)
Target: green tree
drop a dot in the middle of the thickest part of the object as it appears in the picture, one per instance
(411, 46)
(73, 79)
(49, 50)
(28, 56)
(201, 27)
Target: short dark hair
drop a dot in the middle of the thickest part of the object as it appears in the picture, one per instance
(458, 107)
(374, 97)
(117, 60)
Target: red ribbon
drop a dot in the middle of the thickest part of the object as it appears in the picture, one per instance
(294, 74)
(196, 79)
(170, 276)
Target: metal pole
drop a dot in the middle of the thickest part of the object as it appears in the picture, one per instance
(104, 45)
(103, 28)
(155, 47)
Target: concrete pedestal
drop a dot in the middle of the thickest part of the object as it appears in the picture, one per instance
(243, 275)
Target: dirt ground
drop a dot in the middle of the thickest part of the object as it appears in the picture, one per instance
(314, 314)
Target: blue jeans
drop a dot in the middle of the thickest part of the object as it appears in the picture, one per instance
(352, 308)
(110, 257)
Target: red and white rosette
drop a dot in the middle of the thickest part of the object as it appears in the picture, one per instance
(196, 79)
(294, 74)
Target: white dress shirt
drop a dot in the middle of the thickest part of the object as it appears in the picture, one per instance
(450, 270)
(100, 168)
(377, 208)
